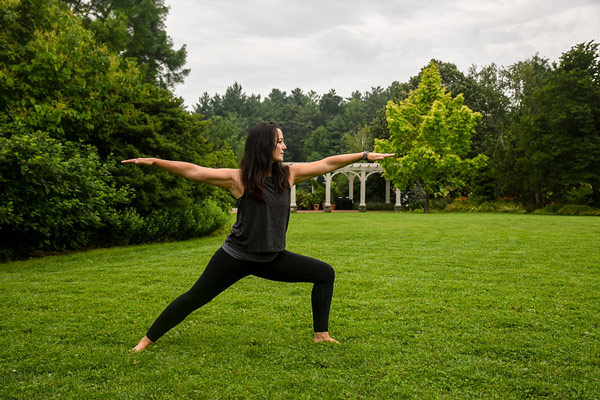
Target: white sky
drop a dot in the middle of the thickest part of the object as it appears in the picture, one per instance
(350, 45)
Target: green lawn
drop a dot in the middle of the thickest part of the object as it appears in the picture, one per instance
(446, 305)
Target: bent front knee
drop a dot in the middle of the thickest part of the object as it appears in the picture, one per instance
(328, 273)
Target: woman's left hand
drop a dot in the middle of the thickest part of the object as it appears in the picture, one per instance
(378, 156)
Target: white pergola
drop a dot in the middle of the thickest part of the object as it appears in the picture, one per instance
(360, 170)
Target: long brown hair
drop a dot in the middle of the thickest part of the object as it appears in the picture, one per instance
(257, 161)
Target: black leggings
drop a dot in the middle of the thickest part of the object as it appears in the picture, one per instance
(223, 271)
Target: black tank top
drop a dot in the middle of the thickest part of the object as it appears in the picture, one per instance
(261, 227)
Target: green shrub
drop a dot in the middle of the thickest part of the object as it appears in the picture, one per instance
(438, 203)
(578, 210)
(582, 195)
(62, 194)
(379, 206)
(549, 209)
(127, 228)
(166, 225)
(513, 206)
(178, 224)
(483, 186)
(303, 200)
(488, 206)
(500, 206)
(557, 209)
(461, 206)
(55, 196)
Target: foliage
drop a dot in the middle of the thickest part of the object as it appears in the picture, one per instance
(56, 79)
(559, 209)
(580, 195)
(318, 189)
(226, 133)
(502, 206)
(55, 196)
(136, 30)
(565, 130)
(550, 140)
(524, 146)
(359, 140)
(159, 127)
(489, 97)
(523, 80)
(377, 206)
(183, 223)
(483, 185)
(430, 135)
(167, 224)
(305, 199)
(314, 126)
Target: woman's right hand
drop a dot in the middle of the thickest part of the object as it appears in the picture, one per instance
(143, 161)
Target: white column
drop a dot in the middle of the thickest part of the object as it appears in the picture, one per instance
(387, 192)
(327, 192)
(351, 185)
(363, 189)
(398, 205)
(293, 205)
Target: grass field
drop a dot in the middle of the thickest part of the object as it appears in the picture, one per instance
(447, 305)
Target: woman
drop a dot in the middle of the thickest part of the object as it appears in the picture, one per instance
(256, 244)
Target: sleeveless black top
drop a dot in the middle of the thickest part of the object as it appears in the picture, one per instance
(260, 227)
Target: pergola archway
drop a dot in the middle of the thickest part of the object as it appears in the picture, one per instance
(360, 170)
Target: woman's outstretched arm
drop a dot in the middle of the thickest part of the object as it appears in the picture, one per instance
(226, 178)
(302, 172)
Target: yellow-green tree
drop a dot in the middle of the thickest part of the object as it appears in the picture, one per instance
(430, 133)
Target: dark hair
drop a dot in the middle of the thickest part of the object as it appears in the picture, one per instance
(257, 160)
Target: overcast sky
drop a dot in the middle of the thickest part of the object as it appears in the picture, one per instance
(356, 45)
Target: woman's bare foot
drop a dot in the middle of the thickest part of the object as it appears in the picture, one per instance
(145, 342)
(324, 337)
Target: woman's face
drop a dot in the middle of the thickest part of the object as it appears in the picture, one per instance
(280, 147)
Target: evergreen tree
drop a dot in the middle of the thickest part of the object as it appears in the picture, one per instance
(563, 139)
(431, 136)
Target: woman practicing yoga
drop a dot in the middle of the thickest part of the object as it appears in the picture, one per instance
(256, 244)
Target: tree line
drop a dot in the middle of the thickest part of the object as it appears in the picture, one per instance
(539, 125)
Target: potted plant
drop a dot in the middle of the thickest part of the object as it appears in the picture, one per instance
(304, 199)
(315, 201)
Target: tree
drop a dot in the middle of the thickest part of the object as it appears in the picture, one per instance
(136, 29)
(359, 140)
(331, 105)
(72, 103)
(519, 177)
(451, 78)
(316, 143)
(227, 132)
(563, 139)
(430, 135)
